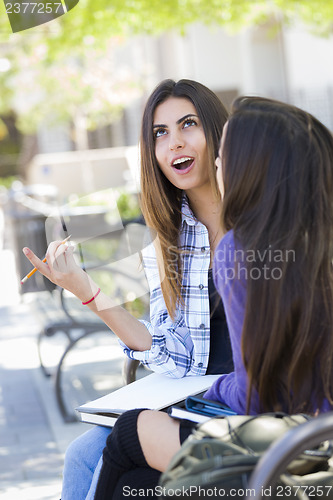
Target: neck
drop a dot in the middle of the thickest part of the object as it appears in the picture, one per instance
(207, 209)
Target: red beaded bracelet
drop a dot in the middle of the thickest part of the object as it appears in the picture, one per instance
(93, 298)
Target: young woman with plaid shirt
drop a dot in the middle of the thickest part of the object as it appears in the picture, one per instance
(187, 333)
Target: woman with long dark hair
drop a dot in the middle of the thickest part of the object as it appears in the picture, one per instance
(187, 333)
(277, 174)
(273, 270)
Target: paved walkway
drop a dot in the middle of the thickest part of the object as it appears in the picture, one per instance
(31, 453)
(33, 436)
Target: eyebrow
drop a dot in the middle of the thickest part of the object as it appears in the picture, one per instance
(178, 122)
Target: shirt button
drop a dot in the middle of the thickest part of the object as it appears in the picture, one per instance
(201, 286)
(203, 249)
(202, 326)
(200, 365)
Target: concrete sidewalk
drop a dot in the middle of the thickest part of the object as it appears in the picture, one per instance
(31, 453)
(33, 436)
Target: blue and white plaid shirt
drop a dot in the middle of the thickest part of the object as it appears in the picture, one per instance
(180, 347)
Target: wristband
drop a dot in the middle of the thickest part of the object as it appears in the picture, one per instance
(93, 298)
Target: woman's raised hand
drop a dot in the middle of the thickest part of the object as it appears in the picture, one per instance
(60, 268)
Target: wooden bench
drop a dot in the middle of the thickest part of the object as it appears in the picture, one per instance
(61, 312)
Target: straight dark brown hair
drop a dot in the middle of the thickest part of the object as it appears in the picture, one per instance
(277, 165)
(161, 200)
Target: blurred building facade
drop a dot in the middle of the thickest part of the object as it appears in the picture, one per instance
(287, 63)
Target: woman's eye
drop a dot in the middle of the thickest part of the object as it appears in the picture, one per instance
(189, 123)
(159, 132)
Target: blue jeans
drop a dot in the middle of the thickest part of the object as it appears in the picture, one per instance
(83, 462)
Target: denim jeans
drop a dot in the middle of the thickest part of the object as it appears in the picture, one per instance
(83, 461)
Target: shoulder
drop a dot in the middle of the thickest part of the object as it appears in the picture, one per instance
(229, 259)
(226, 250)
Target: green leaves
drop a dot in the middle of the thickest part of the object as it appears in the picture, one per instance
(68, 65)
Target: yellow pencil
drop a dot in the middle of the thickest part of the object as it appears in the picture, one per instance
(32, 272)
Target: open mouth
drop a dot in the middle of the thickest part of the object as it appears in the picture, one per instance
(182, 163)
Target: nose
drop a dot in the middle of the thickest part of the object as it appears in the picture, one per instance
(176, 141)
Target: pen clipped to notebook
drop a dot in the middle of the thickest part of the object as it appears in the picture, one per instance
(32, 272)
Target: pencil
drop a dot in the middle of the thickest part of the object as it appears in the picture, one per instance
(32, 272)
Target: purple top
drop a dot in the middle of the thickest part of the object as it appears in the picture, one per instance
(231, 388)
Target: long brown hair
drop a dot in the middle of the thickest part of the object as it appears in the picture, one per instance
(161, 200)
(277, 165)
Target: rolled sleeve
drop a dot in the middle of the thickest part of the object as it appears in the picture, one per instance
(168, 355)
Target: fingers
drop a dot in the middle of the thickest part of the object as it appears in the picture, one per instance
(60, 267)
(56, 259)
(42, 267)
(55, 256)
(69, 256)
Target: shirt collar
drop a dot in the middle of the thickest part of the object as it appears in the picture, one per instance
(187, 214)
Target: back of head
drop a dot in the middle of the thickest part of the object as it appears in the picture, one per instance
(278, 180)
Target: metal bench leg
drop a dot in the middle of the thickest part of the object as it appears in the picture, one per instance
(68, 417)
(129, 370)
(48, 332)
(129, 373)
(46, 372)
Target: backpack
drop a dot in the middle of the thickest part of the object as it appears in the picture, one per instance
(217, 461)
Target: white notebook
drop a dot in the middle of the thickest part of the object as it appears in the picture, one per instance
(155, 391)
